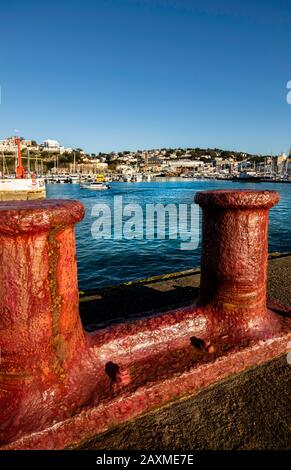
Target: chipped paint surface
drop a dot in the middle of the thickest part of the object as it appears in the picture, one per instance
(60, 385)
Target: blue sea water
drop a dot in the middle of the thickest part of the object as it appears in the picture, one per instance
(109, 261)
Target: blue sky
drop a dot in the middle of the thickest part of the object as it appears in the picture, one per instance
(127, 74)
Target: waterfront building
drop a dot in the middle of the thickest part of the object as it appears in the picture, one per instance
(280, 163)
(51, 145)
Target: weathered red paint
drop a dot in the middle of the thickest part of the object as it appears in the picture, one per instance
(60, 385)
(234, 258)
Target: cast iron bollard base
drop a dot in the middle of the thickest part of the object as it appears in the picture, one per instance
(60, 386)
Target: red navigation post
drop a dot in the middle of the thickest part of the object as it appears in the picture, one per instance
(20, 173)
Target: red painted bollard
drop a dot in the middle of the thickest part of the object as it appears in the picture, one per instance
(60, 386)
(40, 329)
(235, 256)
(38, 288)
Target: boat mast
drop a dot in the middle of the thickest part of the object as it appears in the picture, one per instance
(28, 160)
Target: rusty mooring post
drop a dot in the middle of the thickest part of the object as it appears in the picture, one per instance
(234, 255)
(53, 372)
(40, 323)
(40, 329)
(235, 247)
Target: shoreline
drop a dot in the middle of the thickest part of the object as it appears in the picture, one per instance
(169, 179)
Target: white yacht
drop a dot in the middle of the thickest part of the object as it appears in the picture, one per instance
(95, 186)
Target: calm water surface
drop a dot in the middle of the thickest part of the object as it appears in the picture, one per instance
(107, 262)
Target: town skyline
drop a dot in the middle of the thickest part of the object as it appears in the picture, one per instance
(53, 160)
(43, 143)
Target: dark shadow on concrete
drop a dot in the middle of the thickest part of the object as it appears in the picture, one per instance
(128, 302)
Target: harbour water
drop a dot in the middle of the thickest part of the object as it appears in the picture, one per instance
(104, 262)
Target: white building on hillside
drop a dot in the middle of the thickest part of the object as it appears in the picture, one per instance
(51, 145)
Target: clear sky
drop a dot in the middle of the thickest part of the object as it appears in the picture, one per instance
(128, 74)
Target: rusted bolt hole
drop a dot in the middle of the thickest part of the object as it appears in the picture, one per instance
(112, 370)
(198, 343)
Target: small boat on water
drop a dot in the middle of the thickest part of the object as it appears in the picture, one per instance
(96, 186)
